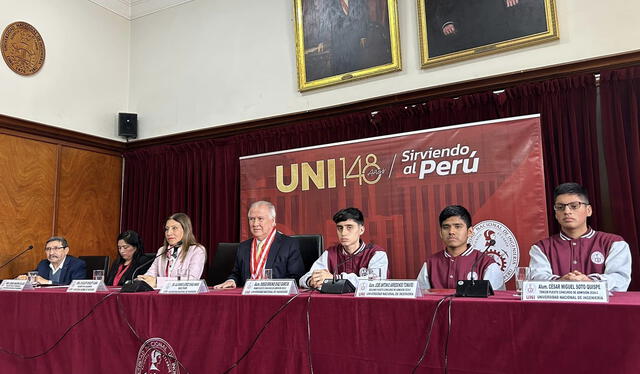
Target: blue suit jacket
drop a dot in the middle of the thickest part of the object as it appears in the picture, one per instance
(73, 268)
(284, 260)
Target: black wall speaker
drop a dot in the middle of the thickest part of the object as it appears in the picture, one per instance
(128, 125)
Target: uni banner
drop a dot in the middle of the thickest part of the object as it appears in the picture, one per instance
(401, 183)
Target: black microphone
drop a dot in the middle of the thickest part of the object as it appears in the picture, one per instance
(16, 256)
(339, 286)
(136, 285)
(133, 275)
(473, 287)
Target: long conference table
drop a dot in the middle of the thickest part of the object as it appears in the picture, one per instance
(209, 332)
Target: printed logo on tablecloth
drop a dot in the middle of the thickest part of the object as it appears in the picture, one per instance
(496, 240)
(597, 258)
(156, 357)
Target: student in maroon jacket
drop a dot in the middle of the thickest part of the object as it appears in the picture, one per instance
(578, 252)
(458, 260)
(349, 259)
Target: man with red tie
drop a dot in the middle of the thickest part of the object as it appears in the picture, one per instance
(268, 249)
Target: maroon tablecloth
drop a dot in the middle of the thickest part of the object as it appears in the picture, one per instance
(210, 332)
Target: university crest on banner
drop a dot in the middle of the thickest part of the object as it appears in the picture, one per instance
(496, 240)
(156, 357)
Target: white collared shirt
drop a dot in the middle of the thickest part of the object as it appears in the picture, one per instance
(54, 270)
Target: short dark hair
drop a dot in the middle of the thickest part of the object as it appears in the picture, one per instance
(133, 239)
(349, 213)
(455, 211)
(60, 239)
(571, 188)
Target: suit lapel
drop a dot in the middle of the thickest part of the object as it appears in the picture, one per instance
(273, 252)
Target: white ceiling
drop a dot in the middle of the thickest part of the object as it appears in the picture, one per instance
(132, 9)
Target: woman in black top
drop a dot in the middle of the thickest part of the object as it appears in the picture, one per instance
(130, 256)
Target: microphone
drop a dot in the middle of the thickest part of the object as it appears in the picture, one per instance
(473, 287)
(133, 275)
(136, 285)
(16, 256)
(340, 286)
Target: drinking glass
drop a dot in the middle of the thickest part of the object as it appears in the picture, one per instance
(374, 273)
(522, 274)
(98, 275)
(183, 274)
(268, 274)
(33, 277)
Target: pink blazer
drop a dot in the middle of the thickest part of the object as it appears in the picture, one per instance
(193, 264)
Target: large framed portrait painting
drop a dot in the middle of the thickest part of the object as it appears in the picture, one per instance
(452, 30)
(343, 40)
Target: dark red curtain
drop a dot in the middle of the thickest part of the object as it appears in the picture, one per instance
(202, 178)
(620, 105)
(567, 108)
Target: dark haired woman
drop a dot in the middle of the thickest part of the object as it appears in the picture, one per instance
(130, 251)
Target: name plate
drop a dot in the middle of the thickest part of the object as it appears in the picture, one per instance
(270, 287)
(87, 285)
(577, 292)
(390, 288)
(15, 285)
(188, 287)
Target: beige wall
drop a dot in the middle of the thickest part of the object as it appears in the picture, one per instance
(213, 62)
(84, 81)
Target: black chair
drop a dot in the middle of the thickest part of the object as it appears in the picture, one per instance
(96, 263)
(222, 263)
(311, 246)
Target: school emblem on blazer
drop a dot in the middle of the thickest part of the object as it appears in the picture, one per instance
(597, 258)
(495, 239)
(156, 356)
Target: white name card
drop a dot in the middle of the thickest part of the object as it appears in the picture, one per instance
(87, 285)
(270, 287)
(577, 292)
(391, 288)
(15, 285)
(188, 287)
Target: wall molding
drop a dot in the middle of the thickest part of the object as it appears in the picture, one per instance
(50, 134)
(407, 98)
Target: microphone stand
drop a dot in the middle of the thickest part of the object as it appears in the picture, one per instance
(137, 285)
(475, 287)
(16, 256)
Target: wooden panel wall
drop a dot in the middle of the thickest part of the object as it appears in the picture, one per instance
(27, 194)
(88, 213)
(51, 187)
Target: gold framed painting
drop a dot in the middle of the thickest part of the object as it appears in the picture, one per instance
(453, 30)
(343, 40)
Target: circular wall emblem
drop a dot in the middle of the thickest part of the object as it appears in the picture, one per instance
(495, 239)
(597, 258)
(22, 48)
(156, 356)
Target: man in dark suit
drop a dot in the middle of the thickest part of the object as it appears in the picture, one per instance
(268, 249)
(59, 268)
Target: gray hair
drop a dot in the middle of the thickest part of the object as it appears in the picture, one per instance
(60, 239)
(271, 207)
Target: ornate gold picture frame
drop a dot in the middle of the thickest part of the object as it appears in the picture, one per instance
(453, 30)
(343, 40)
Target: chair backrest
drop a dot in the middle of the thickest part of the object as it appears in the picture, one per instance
(96, 263)
(311, 246)
(222, 263)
